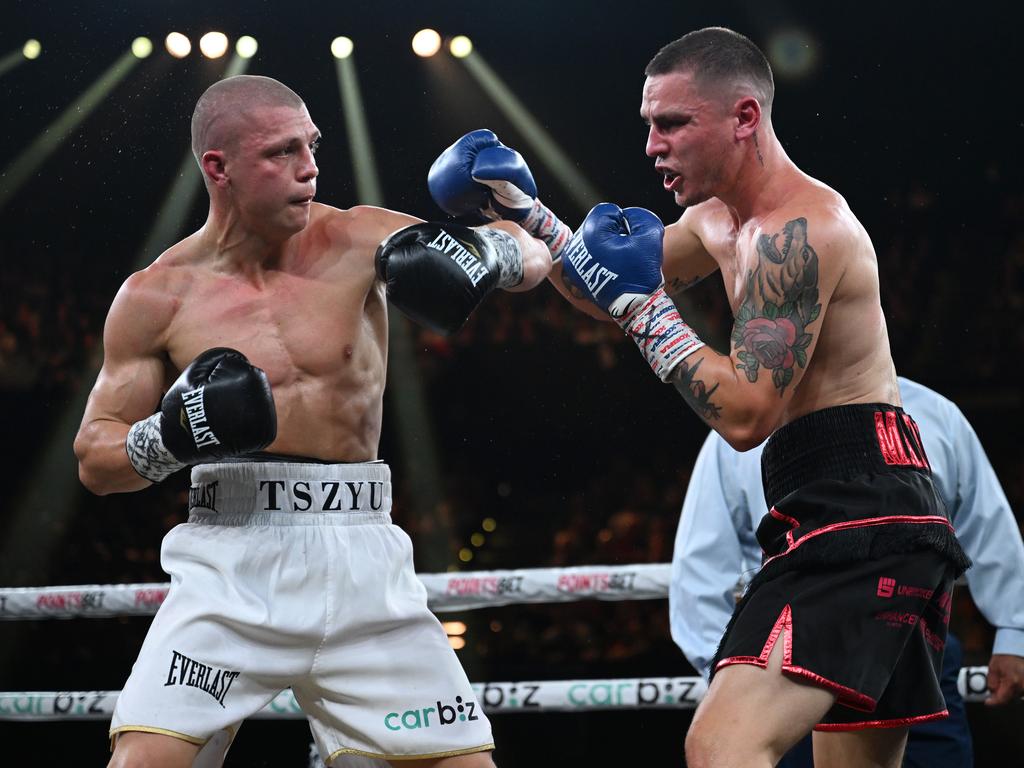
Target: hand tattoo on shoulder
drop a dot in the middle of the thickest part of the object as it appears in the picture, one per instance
(694, 391)
(781, 301)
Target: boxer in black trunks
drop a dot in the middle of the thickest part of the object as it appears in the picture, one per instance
(810, 362)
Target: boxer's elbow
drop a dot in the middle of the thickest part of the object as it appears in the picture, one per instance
(88, 473)
(92, 482)
(92, 470)
(748, 430)
(743, 441)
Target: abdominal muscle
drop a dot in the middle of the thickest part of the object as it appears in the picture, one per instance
(331, 418)
(322, 345)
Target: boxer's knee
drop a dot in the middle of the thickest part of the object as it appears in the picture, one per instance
(698, 747)
(710, 744)
(136, 749)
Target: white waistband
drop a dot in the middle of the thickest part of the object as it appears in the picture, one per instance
(239, 488)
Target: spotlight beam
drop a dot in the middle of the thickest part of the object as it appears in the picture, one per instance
(29, 161)
(407, 400)
(11, 60)
(575, 184)
(364, 165)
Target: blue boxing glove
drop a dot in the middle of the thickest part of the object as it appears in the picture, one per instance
(480, 175)
(615, 260)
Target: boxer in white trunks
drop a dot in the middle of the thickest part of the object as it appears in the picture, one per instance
(267, 329)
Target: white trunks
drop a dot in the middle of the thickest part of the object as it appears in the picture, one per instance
(292, 575)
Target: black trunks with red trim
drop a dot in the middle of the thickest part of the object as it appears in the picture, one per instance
(852, 507)
(848, 483)
(872, 633)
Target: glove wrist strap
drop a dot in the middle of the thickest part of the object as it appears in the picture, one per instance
(542, 223)
(506, 254)
(147, 452)
(664, 339)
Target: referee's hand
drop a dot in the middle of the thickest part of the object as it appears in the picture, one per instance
(1005, 678)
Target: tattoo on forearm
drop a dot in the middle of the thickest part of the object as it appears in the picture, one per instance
(677, 286)
(780, 303)
(694, 391)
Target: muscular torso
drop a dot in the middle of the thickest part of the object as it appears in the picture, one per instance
(851, 361)
(316, 323)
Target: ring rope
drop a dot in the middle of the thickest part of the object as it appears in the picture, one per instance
(496, 698)
(456, 591)
(465, 590)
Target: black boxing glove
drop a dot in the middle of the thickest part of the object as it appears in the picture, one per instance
(437, 274)
(220, 406)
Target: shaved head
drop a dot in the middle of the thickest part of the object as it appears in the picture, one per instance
(720, 60)
(220, 113)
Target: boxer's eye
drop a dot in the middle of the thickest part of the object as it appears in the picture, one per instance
(314, 146)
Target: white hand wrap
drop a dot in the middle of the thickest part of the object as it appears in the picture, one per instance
(663, 337)
(542, 223)
(147, 452)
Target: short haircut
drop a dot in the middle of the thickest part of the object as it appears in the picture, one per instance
(224, 101)
(718, 56)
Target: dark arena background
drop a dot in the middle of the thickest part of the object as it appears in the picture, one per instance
(535, 437)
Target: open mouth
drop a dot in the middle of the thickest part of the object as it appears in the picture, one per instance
(671, 180)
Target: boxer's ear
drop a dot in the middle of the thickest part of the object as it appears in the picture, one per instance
(747, 113)
(214, 167)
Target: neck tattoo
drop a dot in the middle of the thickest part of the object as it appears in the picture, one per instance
(757, 147)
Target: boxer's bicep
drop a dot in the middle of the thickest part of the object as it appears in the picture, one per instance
(792, 274)
(131, 379)
(787, 292)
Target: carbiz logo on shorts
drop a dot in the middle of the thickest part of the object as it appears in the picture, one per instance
(443, 714)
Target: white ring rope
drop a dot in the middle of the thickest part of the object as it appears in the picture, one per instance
(465, 590)
(457, 591)
(496, 698)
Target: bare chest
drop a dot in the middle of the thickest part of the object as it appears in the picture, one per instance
(736, 255)
(290, 326)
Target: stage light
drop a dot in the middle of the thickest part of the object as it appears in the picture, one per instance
(489, 524)
(793, 53)
(213, 44)
(32, 49)
(477, 539)
(426, 43)
(465, 554)
(460, 46)
(246, 46)
(454, 627)
(178, 45)
(341, 47)
(142, 47)
(457, 643)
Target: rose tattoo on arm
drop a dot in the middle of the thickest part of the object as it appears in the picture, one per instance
(781, 301)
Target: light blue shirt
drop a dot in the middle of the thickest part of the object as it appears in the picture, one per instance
(716, 548)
